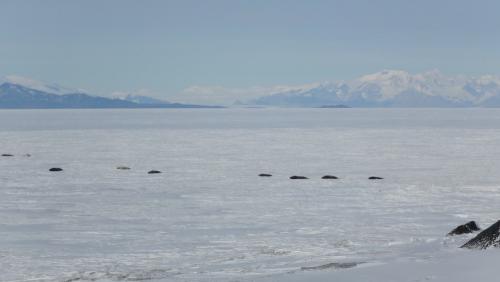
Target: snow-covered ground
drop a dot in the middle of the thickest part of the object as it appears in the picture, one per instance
(208, 217)
(449, 267)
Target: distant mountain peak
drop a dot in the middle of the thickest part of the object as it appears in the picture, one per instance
(30, 83)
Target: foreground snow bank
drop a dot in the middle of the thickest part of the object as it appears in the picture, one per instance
(453, 266)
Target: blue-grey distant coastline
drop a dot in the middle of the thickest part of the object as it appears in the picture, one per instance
(383, 89)
(15, 96)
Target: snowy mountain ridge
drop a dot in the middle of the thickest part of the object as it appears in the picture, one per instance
(23, 93)
(30, 83)
(395, 88)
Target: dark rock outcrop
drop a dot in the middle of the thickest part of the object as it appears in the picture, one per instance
(329, 177)
(469, 227)
(298, 177)
(154, 172)
(7, 155)
(265, 175)
(489, 237)
(375, 177)
(56, 169)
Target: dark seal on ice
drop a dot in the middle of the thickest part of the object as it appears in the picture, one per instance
(469, 227)
(265, 175)
(485, 239)
(56, 169)
(298, 177)
(7, 155)
(154, 172)
(123, 167)
(329, 177)
(375, 177)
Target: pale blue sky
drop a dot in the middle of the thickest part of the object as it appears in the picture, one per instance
(166, 46)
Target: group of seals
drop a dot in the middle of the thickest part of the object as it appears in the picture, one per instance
(58, 169)
(324, 177)
(55, 169)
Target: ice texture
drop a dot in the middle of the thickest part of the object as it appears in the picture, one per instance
(209, 217)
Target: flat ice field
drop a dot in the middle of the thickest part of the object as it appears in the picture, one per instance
(209, 217)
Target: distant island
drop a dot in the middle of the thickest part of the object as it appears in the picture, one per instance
(334, 107)
(17, 96)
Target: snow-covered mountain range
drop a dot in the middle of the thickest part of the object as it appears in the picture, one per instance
(23, 93)
(394, 88)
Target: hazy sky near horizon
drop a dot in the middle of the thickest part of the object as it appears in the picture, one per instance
(167, 46)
